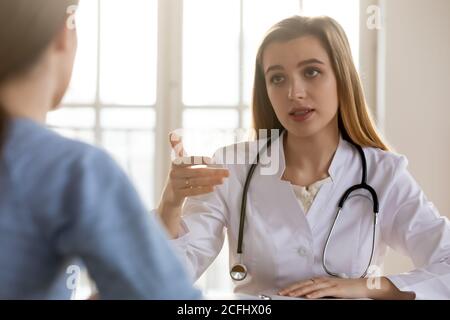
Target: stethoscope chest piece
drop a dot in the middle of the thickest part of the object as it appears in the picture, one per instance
(238, 272)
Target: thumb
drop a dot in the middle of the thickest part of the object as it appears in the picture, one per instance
(177, 145)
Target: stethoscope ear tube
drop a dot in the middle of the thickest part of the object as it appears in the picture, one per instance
(357, 187)
(365, 186)
(244, 205)
(239, 271)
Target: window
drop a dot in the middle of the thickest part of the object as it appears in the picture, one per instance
(112, 96)
(147, 67)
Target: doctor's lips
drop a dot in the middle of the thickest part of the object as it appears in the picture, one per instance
(301, 113)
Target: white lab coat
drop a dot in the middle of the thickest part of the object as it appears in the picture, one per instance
(282, 245)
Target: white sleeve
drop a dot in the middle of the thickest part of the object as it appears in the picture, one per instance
(203, 231)
(414, 227)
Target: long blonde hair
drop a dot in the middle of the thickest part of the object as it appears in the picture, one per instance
(354, 120)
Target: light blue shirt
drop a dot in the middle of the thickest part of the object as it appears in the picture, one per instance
(61, 199)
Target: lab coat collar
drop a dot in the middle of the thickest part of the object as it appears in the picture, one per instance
(343, 151)
(334, 171)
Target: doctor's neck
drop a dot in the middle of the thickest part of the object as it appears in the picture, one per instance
(309, 158)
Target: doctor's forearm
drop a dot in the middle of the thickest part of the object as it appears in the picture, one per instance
(388, 291)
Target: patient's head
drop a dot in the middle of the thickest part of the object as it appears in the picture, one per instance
(37, 44)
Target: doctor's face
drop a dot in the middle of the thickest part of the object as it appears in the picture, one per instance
(301, 85)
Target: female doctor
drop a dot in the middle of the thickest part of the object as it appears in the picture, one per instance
(294, 240)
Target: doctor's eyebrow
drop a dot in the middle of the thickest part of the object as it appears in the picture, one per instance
(300, 64)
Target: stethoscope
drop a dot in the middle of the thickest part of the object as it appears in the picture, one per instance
(239, 271)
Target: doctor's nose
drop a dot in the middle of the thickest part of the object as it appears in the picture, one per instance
(296, 91)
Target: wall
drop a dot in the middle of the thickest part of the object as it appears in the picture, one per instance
(417, 95)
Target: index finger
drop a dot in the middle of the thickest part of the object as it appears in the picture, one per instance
(177, 144)
(296, 286)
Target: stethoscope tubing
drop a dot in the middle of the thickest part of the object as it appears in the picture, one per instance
(363, 185)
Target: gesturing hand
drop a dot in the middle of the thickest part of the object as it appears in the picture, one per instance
(186, 178)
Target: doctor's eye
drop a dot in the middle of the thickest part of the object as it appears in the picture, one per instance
(276, 79)
(312, 72)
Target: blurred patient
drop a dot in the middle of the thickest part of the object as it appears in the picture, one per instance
(61, 199)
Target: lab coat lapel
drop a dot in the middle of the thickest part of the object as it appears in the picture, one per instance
(324, 206)
(274, 198)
